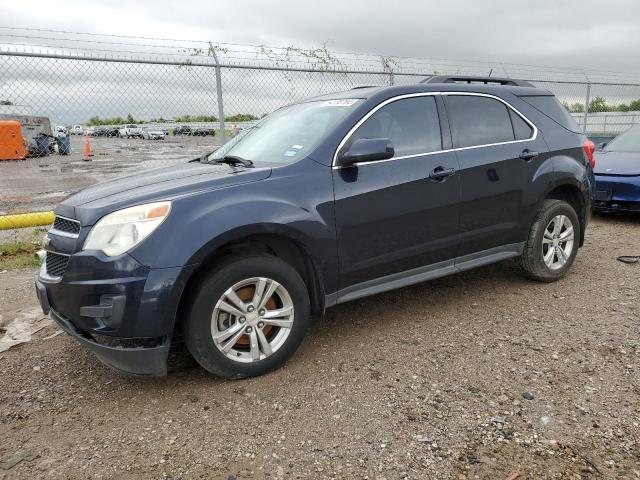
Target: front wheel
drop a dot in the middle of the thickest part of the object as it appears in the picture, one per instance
(248, 317)
(553, 242)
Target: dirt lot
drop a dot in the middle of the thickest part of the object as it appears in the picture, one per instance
(38, 184)
(480, 375)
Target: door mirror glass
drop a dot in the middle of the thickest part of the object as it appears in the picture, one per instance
(366, 150)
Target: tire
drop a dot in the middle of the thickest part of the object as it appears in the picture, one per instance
(538, 262)
(199, 324)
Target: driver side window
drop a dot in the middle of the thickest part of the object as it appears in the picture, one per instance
(411, 125)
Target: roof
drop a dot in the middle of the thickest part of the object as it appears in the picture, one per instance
(496, 88)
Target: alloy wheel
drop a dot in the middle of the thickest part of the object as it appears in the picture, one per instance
(252, 319)
(557, 242)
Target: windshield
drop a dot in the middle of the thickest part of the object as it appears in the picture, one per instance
(287, 134)
(629, 141)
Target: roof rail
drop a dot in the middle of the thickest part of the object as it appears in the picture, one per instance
(474, 79)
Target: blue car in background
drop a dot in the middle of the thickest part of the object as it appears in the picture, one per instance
(617, 173)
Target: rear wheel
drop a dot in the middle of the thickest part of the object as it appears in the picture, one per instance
(248, 317)
(553, 240)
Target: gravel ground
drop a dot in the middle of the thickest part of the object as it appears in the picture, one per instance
(479, 375)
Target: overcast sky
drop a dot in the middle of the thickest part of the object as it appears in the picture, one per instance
(590, 34)
(568, 34)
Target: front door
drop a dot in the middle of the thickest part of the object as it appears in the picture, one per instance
(390, 215)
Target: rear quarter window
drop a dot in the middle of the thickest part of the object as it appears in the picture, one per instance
(552, 108)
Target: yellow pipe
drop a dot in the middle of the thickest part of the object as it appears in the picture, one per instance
(33, 219)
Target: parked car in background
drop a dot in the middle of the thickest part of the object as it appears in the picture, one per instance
(91, 131)
(182, 130)
(100, 131)
(77, 130)
(321, 202)
(618, 174)
(129, 131)
(601, 141)
(152, 133)
(60, 129)
(203, 132)
(112, 131)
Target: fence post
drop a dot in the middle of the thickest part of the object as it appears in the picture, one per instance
(219, 92)
(587, 100)
(391, 80)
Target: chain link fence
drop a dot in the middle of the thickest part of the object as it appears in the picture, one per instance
(70, 120)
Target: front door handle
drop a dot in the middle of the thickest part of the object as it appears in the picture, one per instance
(527, 154)
(440, 173)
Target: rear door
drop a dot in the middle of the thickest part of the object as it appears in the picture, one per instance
(499, 152)
(390, 215)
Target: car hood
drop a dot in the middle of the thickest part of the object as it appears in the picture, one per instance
(617, 163)
(96, 201)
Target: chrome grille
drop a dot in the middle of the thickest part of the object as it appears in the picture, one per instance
(66, 225)
(56, 264)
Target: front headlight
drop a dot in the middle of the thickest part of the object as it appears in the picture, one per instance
(120, 231)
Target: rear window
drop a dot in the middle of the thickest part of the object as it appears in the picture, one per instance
(552, 108)
(478, 121)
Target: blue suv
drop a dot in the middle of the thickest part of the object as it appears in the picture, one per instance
(322, 202)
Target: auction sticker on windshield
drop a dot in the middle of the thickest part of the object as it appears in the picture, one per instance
(343, 102)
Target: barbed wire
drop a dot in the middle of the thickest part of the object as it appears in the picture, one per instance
(265, 55)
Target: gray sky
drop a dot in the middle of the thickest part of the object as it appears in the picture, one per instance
(564, 34)
(589, 34)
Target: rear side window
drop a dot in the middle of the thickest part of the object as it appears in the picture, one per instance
(478, 121)
(552, 108)
(521, 129)
(411, 124)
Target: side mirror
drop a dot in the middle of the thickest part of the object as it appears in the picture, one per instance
(366, 150)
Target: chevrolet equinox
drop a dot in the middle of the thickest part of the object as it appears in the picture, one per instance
(321, 202)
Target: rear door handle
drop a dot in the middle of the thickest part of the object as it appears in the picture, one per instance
(440, 173)
(527, 154)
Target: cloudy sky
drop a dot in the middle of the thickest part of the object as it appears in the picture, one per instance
(537, 40)
(589, 34)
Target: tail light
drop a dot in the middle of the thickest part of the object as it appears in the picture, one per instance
(589, 148)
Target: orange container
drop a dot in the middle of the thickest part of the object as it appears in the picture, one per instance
(12, 145)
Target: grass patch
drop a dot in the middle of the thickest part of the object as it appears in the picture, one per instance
(18, 255)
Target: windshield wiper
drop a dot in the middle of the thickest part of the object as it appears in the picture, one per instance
(202, 158)
(234, 160)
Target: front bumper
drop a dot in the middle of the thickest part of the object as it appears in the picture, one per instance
(144, 361)
(120, 311)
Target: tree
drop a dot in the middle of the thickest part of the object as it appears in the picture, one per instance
(6, 102)
(195, 118)
(130, 119)
(241, 117)
(576, 107)
(598, 104)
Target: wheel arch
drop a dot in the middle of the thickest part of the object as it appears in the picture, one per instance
(573, 194)
(283, 245)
